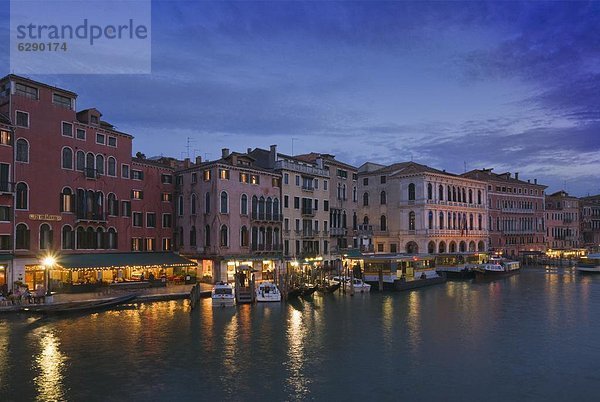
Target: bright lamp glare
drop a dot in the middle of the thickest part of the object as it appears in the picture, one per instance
(49, 261)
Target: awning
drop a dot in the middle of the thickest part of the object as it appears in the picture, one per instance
(6, 257)
(122, 260)
(353, 253)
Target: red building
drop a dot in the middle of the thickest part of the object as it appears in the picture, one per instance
(516, 213)
(76, 187)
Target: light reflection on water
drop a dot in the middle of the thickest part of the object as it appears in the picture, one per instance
(521, 336)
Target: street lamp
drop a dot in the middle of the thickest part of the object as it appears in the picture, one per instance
(48, 262)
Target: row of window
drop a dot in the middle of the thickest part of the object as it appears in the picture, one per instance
(33, 93)
(261, 206)
(80, 134)
(80, 238)
(449, 220)
(260, 238)
(515, 190)
(224, 174)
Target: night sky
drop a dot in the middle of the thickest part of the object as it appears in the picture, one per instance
(513, 86)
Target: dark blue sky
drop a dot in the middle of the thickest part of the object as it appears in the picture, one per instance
(514, 86)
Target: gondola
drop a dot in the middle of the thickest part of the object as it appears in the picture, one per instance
(329, 286)
(79, 307)
(308, 289)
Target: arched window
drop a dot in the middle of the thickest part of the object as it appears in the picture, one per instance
(431, 247)
(366, 220)
(453, 193)
(244, 236)
(22, 150)
(429, 191)
(430, 220)
(479, 222)
(80, 161)
(276, 209)
(254, 239)
(479, 197)
(449, 198)
(441, 192)
(244, 205)
(343, 220)
(383, 222)
(207, 235)
(471, 222)
(193, 236)
(45, 236)
(224, 203)
(100, 164)
(411, 220)
(354, 194)
(343, 191)
(354, 221)
(112, 166)
(90, 161)
(411, 192)
(470, 196)
(441, 220)
(100, 243)
(80, 238)
(442, 247)
(193, 204)
(181, 240)
(276, 241)
(269, 208)
(68, 238)
(22, 201)
(224, 237)
(113, 205)
(254, 206)
(366, 199)
(67, 200)
(261, 208)
(207, 203)
(464, 195)
(112, 239)
(22, 237)
(382, 198)
(180, 205)
(99, 205)
(67, 158)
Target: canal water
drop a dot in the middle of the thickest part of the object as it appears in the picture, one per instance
(533, 336)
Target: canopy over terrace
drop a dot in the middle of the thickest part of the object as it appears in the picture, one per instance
(86, 272)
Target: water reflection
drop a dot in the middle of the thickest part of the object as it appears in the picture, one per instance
(50, 363)
(4, 360)
(297, 383)
(413, 322)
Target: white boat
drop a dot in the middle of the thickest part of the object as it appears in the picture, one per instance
(496, 267)
(360, 286)
(589, 264)
(267, 292)
(223, 295)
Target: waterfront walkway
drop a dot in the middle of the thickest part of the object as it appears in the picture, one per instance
(170, 292)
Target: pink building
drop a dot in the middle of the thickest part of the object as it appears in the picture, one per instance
(562, 221)
(76, 188)
(229, 214)
(516, 213)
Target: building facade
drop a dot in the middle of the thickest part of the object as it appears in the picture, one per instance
(229, 214)
(562, 221)
(412, 208)
(305, 195)
(516, 213)
(590, 222)
(343, 202)
(73, 183)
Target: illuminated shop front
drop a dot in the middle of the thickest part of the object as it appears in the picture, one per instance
(86, 272)
(264, 270)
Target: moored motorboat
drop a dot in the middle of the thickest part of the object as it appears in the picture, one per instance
(589, 264)
(329, 286)
(222, 295)
(496, 268)
(359, 286)
(267, 292)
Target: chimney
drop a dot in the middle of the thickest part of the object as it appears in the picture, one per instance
(528, 180)
(249, 150)
(534, 181)
(186, 163)
(198, 160)
(224, 152)
(516, 175)
(272, 156)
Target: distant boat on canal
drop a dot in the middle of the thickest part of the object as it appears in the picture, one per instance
(589, 264)
(459, 265)
(80, 307)
(496, 268)
(223, 295)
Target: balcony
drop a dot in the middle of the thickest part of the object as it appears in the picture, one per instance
(365, 229)
(308, 212)
(266, 217)
(296, 167)
(91, 173)
(7, 187)
(308, 188)
(267, 247)
(338, 231)
(90, 217)
(519, 210)
(367, 249)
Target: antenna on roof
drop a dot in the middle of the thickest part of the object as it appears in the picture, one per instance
(293, 139)
(465, 166)
(188, 145)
